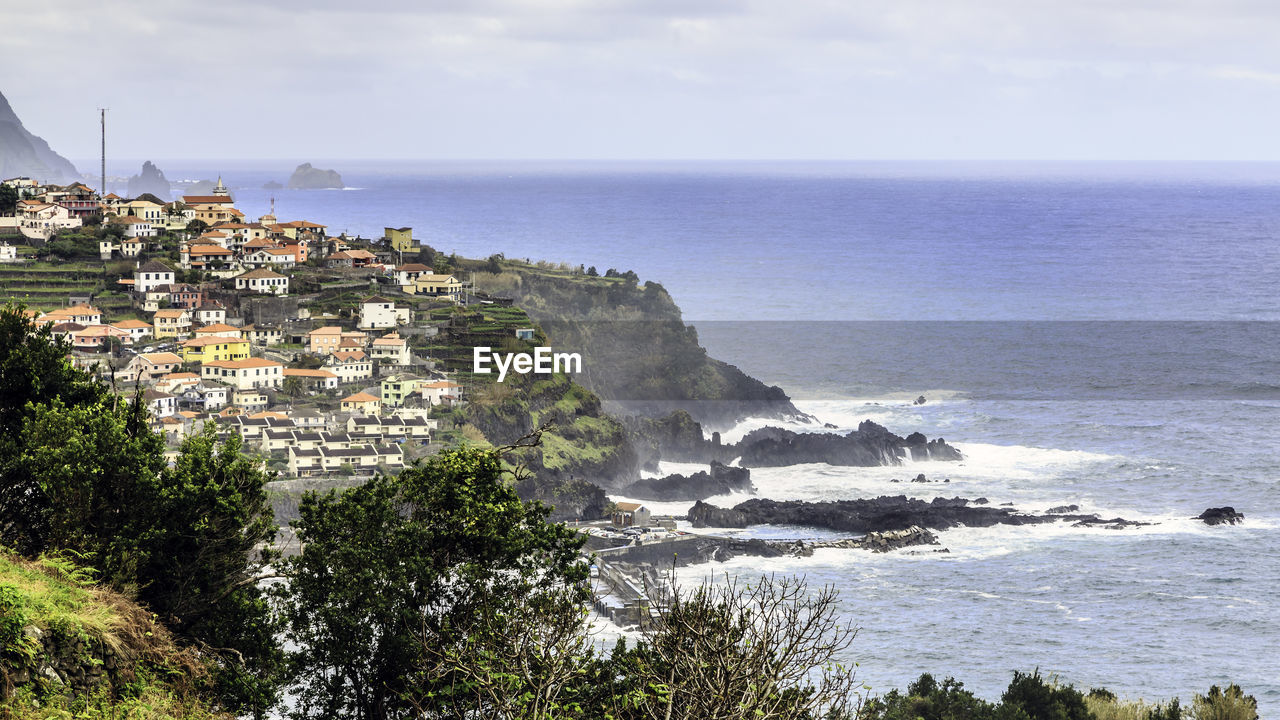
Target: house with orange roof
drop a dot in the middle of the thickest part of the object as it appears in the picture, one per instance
(406, 274)
(313, 379)
(149, 366)
(277, 257)
(245, 374)
(172, 322)
(441, 392)
(177, 382)
(138, 330)
(219, 330)
(362, 403)
(134, 226)
(95, 337)
(324, 340)
(350, 365)
(204, 255)
(392, 349)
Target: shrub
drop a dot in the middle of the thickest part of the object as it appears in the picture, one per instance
(1228, 704)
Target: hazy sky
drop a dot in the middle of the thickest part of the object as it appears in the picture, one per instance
(875, 79)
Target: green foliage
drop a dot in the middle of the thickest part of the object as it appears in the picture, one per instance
(1224, 704)
(1104, 705)
(197, 226)
(203, 557)
(926, 699)
(96, 469)
(71, 246)
(1030, 697)
(8, 199)
(33, 372)
(427, 559)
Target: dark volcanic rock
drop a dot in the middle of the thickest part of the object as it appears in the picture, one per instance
(150, 180)
(868, 446)
(701, 485)
(1226, 515)
(880, 514)
(24, 154)
(310, 178)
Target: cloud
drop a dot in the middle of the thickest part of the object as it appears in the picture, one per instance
(589, 77)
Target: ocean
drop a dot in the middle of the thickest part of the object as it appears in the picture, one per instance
(1098, 335)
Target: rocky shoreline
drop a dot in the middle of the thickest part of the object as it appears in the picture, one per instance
(884, 513)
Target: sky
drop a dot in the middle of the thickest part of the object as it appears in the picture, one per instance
(650, 79)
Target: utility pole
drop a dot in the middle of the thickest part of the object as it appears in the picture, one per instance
(102, 118)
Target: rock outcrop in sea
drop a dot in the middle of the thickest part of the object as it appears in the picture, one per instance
(1225, 515)
(151, 180)
(880, 514)
(720, 480)
(25, 155)
(306, 177)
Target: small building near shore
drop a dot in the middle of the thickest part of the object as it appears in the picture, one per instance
(629, 514)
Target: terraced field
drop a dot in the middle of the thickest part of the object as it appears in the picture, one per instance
(44, 286)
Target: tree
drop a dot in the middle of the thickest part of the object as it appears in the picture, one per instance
(95, 470)
(293, 387)
(33, 372)
(732, 650)
(592, 272)
(205, 557)
(436, 557)
(197, 226)
(8, 199)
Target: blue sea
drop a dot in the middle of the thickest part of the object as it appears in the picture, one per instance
(1098, 335)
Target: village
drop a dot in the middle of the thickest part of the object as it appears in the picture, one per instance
(317, 349)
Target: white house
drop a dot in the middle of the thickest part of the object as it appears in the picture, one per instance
(151, 276)
(350, 365)
(245, 374)
(149, 366)
(8, 253)
(378, 312)
(263, 281)
(392, 348)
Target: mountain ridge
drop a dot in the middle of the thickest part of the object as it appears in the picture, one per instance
(23, 154)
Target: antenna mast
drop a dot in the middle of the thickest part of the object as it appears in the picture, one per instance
(102, 117)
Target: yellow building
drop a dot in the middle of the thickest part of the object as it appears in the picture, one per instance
(400, 239)
(214, 348)
(171, 323)
(436, 284)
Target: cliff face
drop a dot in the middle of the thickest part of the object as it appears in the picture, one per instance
(637, 353)
(150, 180)
(24, 154)
(310, 178)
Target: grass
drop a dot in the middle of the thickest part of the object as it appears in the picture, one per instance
(150, 700)
(59, 598)
(51, 593)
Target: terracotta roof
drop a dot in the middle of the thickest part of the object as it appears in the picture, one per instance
(128, 324)
(299, 372)
(161, 358)
(414, 267)
(215, 340)
(360, 397)
(216, 328)
(390, 339)
(172, 313)
(179, 376)
(327, 330)
(259, 274)
(441, 384)
(628, 506)
(345, 355)
(208, 250)
(269, 414)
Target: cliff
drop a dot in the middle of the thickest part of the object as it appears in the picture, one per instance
(638, 355)
(150, 180)
(306, 177)
(24, 154)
